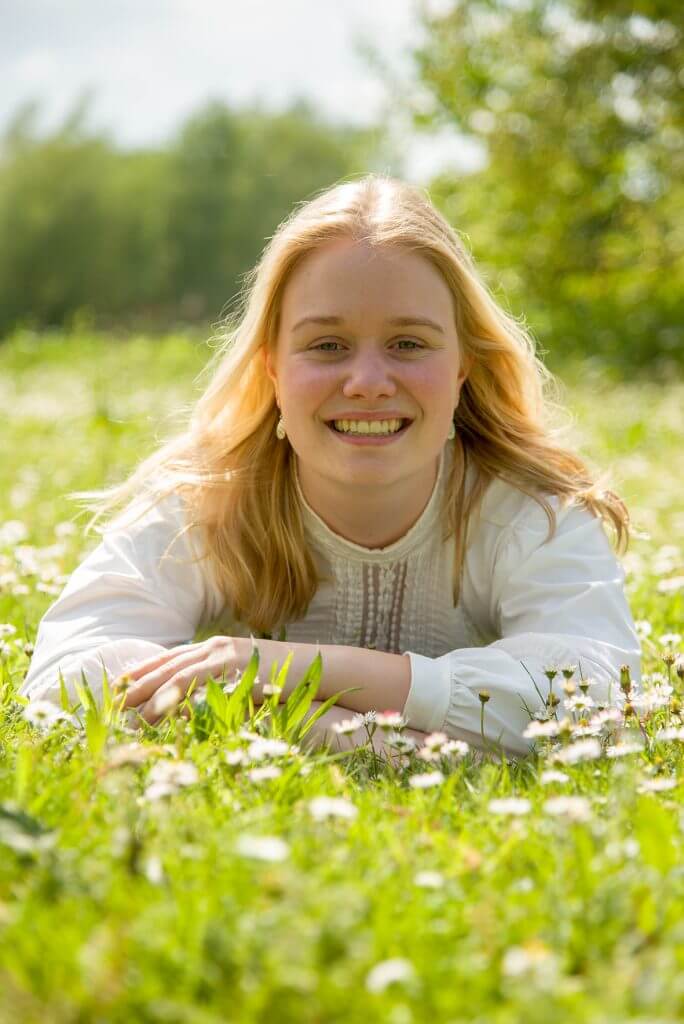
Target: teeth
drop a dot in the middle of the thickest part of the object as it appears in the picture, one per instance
(368, 427)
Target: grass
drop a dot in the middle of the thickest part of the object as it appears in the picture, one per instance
(247, 895)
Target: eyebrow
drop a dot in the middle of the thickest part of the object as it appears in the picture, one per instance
(397, 321)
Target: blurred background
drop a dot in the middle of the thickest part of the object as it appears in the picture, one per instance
(148, 151)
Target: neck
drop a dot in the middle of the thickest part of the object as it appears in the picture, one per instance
(373, 516)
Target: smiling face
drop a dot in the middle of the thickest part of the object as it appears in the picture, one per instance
(365, 363)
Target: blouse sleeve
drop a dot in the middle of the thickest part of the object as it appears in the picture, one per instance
(136, 594)
(553, 603)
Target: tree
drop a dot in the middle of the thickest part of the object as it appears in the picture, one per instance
(576, 215)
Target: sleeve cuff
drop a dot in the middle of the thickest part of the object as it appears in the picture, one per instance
(429, 693)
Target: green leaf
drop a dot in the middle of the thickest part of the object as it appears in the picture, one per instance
(239, 699)
(655, 829)
(217, 700)
(323, 708)
(299, 701)
(107, 699)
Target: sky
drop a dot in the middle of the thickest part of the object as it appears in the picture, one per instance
(149, 63)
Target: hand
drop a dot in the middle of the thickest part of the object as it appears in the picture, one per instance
(163, 680)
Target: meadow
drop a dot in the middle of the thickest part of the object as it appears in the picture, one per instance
(211, 869)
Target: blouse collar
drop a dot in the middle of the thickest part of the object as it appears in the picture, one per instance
(332, 543)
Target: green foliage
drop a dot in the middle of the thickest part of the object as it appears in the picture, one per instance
(575, 217)
(157, 235)
(229, 895)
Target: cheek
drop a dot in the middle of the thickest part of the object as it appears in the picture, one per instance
(429, 382)
(308, 384)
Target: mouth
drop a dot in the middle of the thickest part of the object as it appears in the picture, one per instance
(405, 424)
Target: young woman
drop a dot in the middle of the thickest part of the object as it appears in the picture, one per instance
(372, 466)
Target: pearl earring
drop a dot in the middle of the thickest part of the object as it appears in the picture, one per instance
(452, 432)
(280, 430)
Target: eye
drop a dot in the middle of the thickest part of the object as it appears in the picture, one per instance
(411, 341)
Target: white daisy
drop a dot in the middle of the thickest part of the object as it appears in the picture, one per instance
(427, 780)
(455, 748)
(582, 750)
(404, 744)
(510, 805)
(266, 848)
(267, 771)
(265, 747)
(390, 720)
(173, 773)
(348, 725)
(575, 808)
(550, 776)
(435, 740)
(624, 747)
(429, 879)
(426, 754)
(387, 972)
(321, 807)
(657, 785)
(671, 733)
(43, 714)
(537, 728)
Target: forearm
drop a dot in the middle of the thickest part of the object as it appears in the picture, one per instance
(384, 679)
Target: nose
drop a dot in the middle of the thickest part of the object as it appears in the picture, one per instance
(368, 376)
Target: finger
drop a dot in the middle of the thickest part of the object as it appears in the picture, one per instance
(148, 684)
(167, 698)
(141, 668)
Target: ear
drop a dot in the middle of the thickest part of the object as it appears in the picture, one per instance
(466, 367)
(268, 363)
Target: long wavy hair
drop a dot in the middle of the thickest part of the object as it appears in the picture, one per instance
(237, 479)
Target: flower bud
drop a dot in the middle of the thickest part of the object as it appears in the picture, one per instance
(625, 679)
(484, 696)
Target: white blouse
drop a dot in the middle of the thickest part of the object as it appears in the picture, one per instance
(525, 604)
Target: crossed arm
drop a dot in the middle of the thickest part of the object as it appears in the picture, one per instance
(384, 679)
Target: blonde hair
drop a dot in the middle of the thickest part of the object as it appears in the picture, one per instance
(237, 478)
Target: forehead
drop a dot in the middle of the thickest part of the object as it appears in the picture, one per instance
(353, 279)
